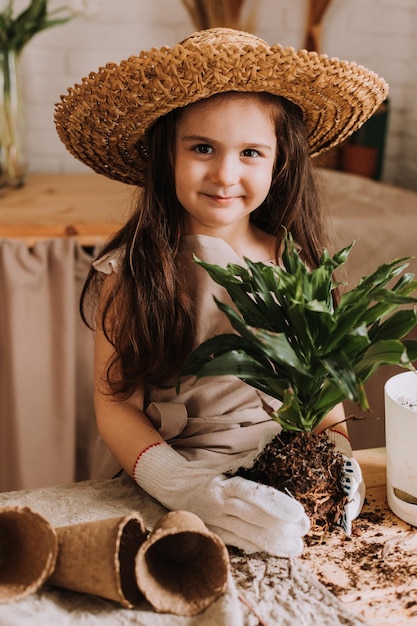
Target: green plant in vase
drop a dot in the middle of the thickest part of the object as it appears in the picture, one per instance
(296, 342)
(16, 30)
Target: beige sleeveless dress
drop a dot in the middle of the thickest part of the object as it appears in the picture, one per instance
(217, 418)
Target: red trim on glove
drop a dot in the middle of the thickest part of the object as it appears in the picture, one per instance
(339, 432)
(152, 445)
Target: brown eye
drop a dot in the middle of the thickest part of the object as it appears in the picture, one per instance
(203, 148)
(251, 152)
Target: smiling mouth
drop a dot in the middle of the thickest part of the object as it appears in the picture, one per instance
(221, 199)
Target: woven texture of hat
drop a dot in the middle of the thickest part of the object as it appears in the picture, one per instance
(103, 120)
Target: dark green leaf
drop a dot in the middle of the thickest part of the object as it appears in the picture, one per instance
(411, 348)
(385, 352)
(396, 326)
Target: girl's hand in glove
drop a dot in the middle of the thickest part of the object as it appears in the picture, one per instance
(243, 513)
(352, 482)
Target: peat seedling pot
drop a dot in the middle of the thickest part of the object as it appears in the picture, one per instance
(401, 438)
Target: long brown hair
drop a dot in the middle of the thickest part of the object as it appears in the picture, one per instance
(148, 314)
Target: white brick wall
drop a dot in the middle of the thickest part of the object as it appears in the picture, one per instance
(380, 34)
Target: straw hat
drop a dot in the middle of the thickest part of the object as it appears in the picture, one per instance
(103, 120)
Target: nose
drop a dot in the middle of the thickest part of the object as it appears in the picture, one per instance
(225, 170)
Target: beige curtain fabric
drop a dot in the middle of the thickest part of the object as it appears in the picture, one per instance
(46, 413)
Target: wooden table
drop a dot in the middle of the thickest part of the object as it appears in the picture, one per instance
(375, 571)
(88, 206)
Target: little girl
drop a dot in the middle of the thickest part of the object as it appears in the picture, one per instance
(218, 134)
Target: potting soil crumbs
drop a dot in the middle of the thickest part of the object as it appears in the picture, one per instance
(369, 570)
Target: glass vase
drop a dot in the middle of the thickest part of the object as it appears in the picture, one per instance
(13, 165)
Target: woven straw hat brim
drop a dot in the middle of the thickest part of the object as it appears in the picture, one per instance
(102, 120)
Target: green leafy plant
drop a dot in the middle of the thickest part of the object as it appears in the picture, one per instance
(17, 28)
(17, 31)
(293, 342)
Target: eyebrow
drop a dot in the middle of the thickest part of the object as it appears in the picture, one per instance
(202, 139)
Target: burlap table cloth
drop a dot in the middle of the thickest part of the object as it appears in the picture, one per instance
(261, 590)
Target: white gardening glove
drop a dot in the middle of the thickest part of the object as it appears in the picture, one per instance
(243, 513)
(352, 481)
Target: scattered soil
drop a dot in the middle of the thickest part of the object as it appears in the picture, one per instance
(407, 403)
(375, 570)
(307, 466)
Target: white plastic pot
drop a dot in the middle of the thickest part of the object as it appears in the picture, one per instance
(401, 445)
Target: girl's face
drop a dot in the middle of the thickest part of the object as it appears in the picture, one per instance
(225, 151)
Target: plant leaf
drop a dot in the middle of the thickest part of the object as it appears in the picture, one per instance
(296, 344)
